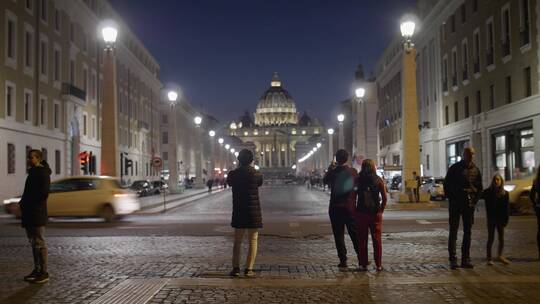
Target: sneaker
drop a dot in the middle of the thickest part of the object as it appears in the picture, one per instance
(454, 265)
(467, 265)
(503, 260)
(42, 278)
(235, 272)
(343, 265)
(362, 268)
(249, 273)
(379, 268)
(32, 276)
(490, 262)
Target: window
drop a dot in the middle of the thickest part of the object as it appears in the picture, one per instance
(164, 118)
(43, 48)
(465, 59)
(57, 162)
(456, 111)
(11, 39)
(85, 124)
(528, 82)
(85, 80)
(492, 97)
(165, 156)
(446, 116)
(508, 87)
(44, 154)
(165, 137)
(445, 74)
(43, 14)
(475, 6)
(29, 5)
(43, 110)
(505, 32)
(454, 67)
(94, 126)
(478, 102)
(57, 62)
(467, 107)
(463, 13)
(27, 105)
(28, 45)
(56, 115)
(490, 43)
(453, 24)
(476, 50)
(93, 87)
(10, 100)
(11, 158)
(524, 22)
(57, 17)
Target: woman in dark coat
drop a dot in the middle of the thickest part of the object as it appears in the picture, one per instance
(535, 199)
(246, 216)
(496, 199)
(34, 216)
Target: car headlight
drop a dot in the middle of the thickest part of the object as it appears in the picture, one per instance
(509, 188)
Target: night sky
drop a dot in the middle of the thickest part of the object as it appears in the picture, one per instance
(223, 52)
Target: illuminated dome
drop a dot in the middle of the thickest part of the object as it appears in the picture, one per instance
(276, 106)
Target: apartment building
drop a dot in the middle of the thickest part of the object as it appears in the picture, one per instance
(50, 90)
(478, 83)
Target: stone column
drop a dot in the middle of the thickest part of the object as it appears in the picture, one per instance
(109, 128)
(279, 154)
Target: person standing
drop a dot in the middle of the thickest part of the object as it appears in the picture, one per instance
(535, 199)
(496, 200)
(370, 206)
(416, 189)
(246, 215)
(463, 187)
(34, 216)
(340, 179)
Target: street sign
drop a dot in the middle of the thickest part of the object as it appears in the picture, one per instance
(157, 162)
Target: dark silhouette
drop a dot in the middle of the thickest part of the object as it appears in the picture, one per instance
(535, 198)
(496, 199)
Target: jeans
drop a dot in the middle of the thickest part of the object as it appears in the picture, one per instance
(253, 234)
(39, 249)
(373, 223)
(341, 218)
(457, 211)
(492, 226)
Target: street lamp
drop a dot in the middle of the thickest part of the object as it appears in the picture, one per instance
(109, 125)
(341, 135)
(360, 139)
(227, 146)
(220, 141)
(197, 120)
(232, 150)
(172, 97)
(341, 118)
(411, 141)
(212, 133)
(199, 162)
(360, 92)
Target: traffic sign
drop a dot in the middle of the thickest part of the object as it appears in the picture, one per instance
(157, 162)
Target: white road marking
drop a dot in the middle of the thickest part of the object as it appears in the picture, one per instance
(424, 222)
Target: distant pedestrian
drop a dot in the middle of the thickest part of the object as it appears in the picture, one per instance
(416, 189)
(246, 216)
(370, 206)
(340, 179)
(496, 200)
(463, 187)
(34, 216)
(535, 198)
(209, 184)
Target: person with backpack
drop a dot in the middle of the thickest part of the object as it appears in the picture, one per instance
(535, 199)
(370, 207)
(340, 179)
(496, 199)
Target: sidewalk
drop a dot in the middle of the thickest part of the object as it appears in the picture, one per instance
(159, 203)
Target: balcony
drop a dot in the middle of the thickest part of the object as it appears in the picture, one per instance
(73, 93)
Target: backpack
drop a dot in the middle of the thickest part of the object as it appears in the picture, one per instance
(371, 198)
(344, 183)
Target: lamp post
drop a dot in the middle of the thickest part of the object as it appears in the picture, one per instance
(172, 161)
(109, 126)
(212, 134)
(330, 145)
(341, 135)
(198, 159)
(411, 145)
(361, 125)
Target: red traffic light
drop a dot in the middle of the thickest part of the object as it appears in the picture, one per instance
(83, 157)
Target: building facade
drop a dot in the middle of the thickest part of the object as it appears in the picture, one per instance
(50, 91)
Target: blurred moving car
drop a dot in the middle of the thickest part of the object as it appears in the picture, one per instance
(142, 187)
(84, 196)
(436, 189)
(159, 186)
(518, 192)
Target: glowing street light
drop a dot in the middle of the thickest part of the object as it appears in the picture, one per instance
(360, 92)
(197, 120)
(227, 146)
(407, 29)
(330, 131)
(319, 145)
(212, 133)
(341, 117)
(220, 141)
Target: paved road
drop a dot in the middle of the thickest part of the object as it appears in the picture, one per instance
(182, 257)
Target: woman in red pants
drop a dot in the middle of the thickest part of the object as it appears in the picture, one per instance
(370, 207)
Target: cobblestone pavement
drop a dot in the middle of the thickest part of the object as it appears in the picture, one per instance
(290, 270)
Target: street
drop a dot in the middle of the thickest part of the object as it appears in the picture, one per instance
(183, 256)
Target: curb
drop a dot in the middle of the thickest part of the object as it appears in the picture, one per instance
(188, 199)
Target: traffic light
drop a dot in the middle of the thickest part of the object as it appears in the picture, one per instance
(128, 164)
(83, 159)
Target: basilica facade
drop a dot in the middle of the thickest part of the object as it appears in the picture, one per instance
(277, 133)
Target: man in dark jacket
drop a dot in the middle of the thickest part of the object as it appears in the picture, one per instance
(246, 216)
(34, 213)
(341, 181)
(463, 187)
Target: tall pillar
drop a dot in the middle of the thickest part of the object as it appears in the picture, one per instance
(172, 151)
(109, 128)
(279, 154)
(411, 145)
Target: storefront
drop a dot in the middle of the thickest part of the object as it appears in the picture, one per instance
(513, 151)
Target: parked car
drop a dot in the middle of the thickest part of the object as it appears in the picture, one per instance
(142, 187)
(518, 192)
(84, 196)
(159, 186)
(436, 189)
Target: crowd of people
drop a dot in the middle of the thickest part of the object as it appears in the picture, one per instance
(357, 203)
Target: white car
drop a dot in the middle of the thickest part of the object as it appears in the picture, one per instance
(518, 192)
(436, 189)
(85, 196)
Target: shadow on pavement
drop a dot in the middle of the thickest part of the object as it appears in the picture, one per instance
(23, 295)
